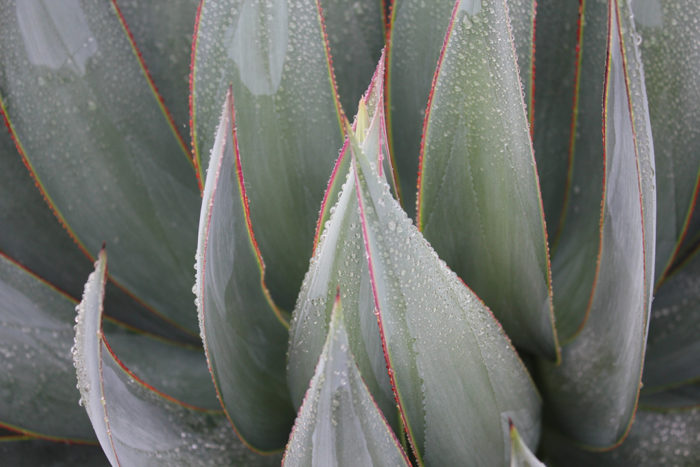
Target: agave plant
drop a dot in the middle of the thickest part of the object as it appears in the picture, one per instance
(500, 314)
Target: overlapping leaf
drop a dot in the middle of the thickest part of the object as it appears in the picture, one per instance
(576, 236)
(520, 454)
(37, 385)
(593, 393)
(479, 203)
(136, 426)
(339, 263)
(40, 453)
(655, 439)
(669, 36)
(356, 38)
(275, 57)
(339, 423)
(71, 85)
(456, 377)
(244, 334)
(673, 348)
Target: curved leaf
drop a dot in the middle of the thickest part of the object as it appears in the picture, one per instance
(37, 383)
(39, 453)
(593, 393)
(455, 375)
(655, 439)
(356, 38)
(558, 69)
(162, 30)
(522, 14)
(576, 240)
(478, 200)
(244, 334)
(339, 423)
(32, 237)
(338, 264)
(673, 349)
(681, 397)
(286, 127)
(417, 31)
(520, 454)
(670, 47)
(71, 86)
(134, 425)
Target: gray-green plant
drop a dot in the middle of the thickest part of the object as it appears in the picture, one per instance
(494, 262)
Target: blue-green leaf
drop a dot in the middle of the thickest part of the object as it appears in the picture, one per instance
(520, 454)
(275, 57)
(479, 203)
(593, 393)
(93, 133)
(135, 425)
(670, 46)
(40, 453)
(244, 334)
(455, 375)
(339, 423)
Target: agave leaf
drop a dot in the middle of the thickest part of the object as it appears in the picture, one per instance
(135, 425)
(577, 234)
(339, 422)
(478, 201)
(593, 393)
(185, 380)
(40, 453)
(162, 30)
(520, 454)
(558, 71)
(455, 375)
(37, 386)
(522, 14)
(655, 439)
(673, 349)
(681, 397)
(244, 333)
(417, 32)
(286, 100)
(70, 85)
(34, 238)
(338, 263)
(356, 38)
(670, 46)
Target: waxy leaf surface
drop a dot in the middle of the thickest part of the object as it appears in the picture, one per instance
(456, 377)
(655, 439)
(575, 230)
(356, 38)
(37, 382)
(244, 335)
(520, 454)
(673, 348)
(100, 146)
(593, 393)
(479, 202)
(670, 46)
(338, 263)
(339, 422)
(274, 56)
(40, 453)
(135, 425)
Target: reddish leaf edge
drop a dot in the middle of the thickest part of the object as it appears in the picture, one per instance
(102, 256)
(196, 155)
(67, 228)
(230, 113)
(419, 197)
(108, 318)
(29, 434)
(378, 312)
(580, 25)
(295, 427)
(156, 94)
(615, 27)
